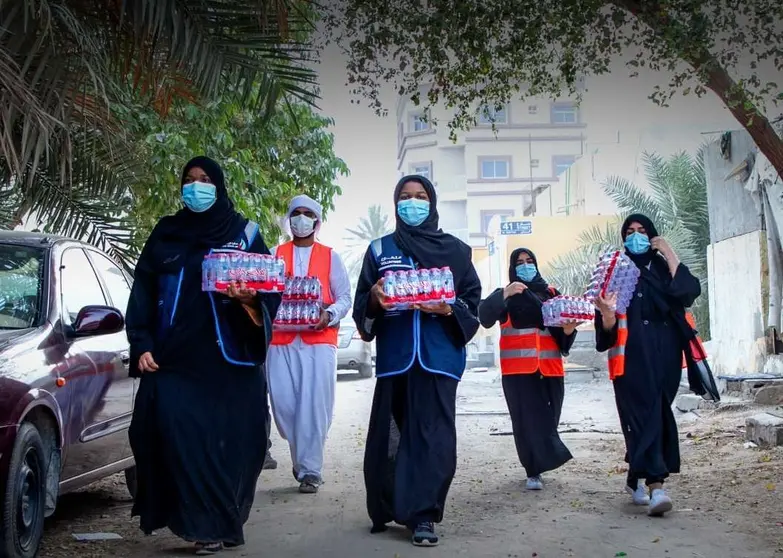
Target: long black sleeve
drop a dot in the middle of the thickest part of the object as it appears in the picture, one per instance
(465, 308)
(684, 286)
(140, 317)
(362, 314)
(493, 309)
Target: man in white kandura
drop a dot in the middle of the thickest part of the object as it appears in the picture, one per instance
(302, 366)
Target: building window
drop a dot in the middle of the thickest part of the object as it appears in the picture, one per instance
(422, 169)
(488, 114)
(564, 113)
(495, 168)
(532, 109)
(487, 215)
(418, 124)
(561, 163)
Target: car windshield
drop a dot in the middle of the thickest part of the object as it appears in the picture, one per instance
(21, 282)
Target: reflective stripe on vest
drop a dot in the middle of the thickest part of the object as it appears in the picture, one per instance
(617, 352)
(320, 266)
(526, 351)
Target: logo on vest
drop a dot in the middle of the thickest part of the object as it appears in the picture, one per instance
(392, 261)
(235, 245)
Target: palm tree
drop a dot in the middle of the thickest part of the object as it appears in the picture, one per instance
(73, 72)
(676, 202)
(375, 225)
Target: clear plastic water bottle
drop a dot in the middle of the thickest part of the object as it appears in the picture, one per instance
(414, 286)
(425, 285)
(389, 287)
(401, 288)
(436, 276)
(448, 285)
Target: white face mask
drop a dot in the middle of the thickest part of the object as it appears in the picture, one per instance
(302, 226)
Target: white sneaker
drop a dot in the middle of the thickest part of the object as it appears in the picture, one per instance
(639, 496)
(660, 503)
(535, 483)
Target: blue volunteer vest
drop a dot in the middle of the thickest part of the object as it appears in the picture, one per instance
(231, 346)
(405, 337)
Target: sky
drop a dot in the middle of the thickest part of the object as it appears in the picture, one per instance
(613, 104)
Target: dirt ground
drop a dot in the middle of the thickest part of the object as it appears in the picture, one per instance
(728, 501)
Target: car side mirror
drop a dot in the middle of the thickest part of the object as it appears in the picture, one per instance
(97, 320)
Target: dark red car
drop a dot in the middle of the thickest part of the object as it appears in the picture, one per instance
(66, 398)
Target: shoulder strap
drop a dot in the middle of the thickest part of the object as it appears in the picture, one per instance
(250, 232)
(377, 248)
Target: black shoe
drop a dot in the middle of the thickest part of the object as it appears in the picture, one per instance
(269, 462)
(424, 535)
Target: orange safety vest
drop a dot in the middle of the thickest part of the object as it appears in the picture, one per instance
(525, 351)
(320, 266)
(617, 352)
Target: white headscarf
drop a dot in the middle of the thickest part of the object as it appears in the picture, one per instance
(308, 203)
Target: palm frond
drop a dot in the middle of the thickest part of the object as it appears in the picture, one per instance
(63, 63)
(630, 198)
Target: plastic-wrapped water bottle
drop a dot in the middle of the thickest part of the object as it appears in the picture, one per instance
(449, 293)
(401, 288)
(425, 285)
(389, 287)
(414, 287)
(436, 276)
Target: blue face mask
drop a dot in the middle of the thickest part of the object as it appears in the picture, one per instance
(413, 212)
(199, 196)
(526, 271)
(637, 243)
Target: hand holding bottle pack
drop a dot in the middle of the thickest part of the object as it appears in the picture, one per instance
(403, 289)
(614, 273)
(261, 272)
(301, 306)
(564, 310)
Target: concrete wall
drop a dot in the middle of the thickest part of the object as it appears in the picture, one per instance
(733, 210)
(737, 267)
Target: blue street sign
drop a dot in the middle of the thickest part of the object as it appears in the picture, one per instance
(516, 227)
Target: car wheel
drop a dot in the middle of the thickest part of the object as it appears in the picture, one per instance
(131, 481)
(25, 496)
(365, 370)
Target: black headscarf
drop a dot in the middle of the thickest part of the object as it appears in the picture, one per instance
(537, 284)
(641, 260)
(427, 244)
(525, 309)
(184, 232)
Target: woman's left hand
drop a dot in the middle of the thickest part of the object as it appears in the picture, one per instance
(441, 309)
(241, 292)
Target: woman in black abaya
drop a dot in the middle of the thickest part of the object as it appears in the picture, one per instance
(199, 425)
(411, 453)
(645, 387)
(534, 396)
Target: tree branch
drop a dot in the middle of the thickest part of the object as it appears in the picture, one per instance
(716, 78)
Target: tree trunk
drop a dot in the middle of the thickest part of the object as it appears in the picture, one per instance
(717, 79)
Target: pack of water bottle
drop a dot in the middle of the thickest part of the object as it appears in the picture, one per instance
(562, 310)
(297, 315)
(261, 272)
(425, 287)
(302, 304)
(615, 273)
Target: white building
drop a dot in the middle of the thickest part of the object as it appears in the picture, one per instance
(485, 174)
